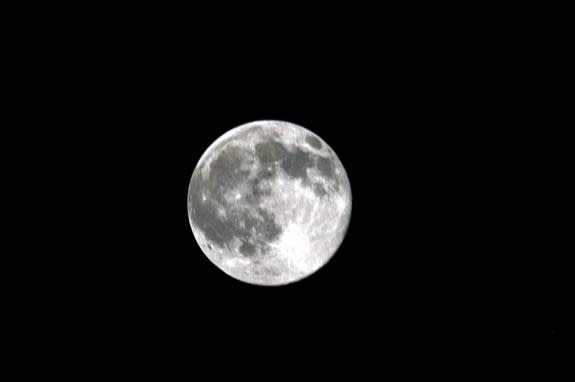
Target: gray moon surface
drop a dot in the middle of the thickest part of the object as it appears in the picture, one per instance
(269, 203)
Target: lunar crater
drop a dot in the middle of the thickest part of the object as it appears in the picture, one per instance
(313, 141)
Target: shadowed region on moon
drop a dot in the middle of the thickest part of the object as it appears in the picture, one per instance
(248, 198)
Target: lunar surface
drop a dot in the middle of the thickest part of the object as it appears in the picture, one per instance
(269, 203)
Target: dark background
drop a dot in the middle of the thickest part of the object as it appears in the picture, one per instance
(417, 111)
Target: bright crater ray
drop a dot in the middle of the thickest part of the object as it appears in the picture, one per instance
(269, 202)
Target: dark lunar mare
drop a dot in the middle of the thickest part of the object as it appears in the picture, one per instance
(319, 190)
(313, 141)
(226, 174)
(296, 162)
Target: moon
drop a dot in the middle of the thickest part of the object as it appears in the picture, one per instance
(269, 203)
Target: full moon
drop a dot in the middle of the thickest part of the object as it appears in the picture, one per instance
(269, 203)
